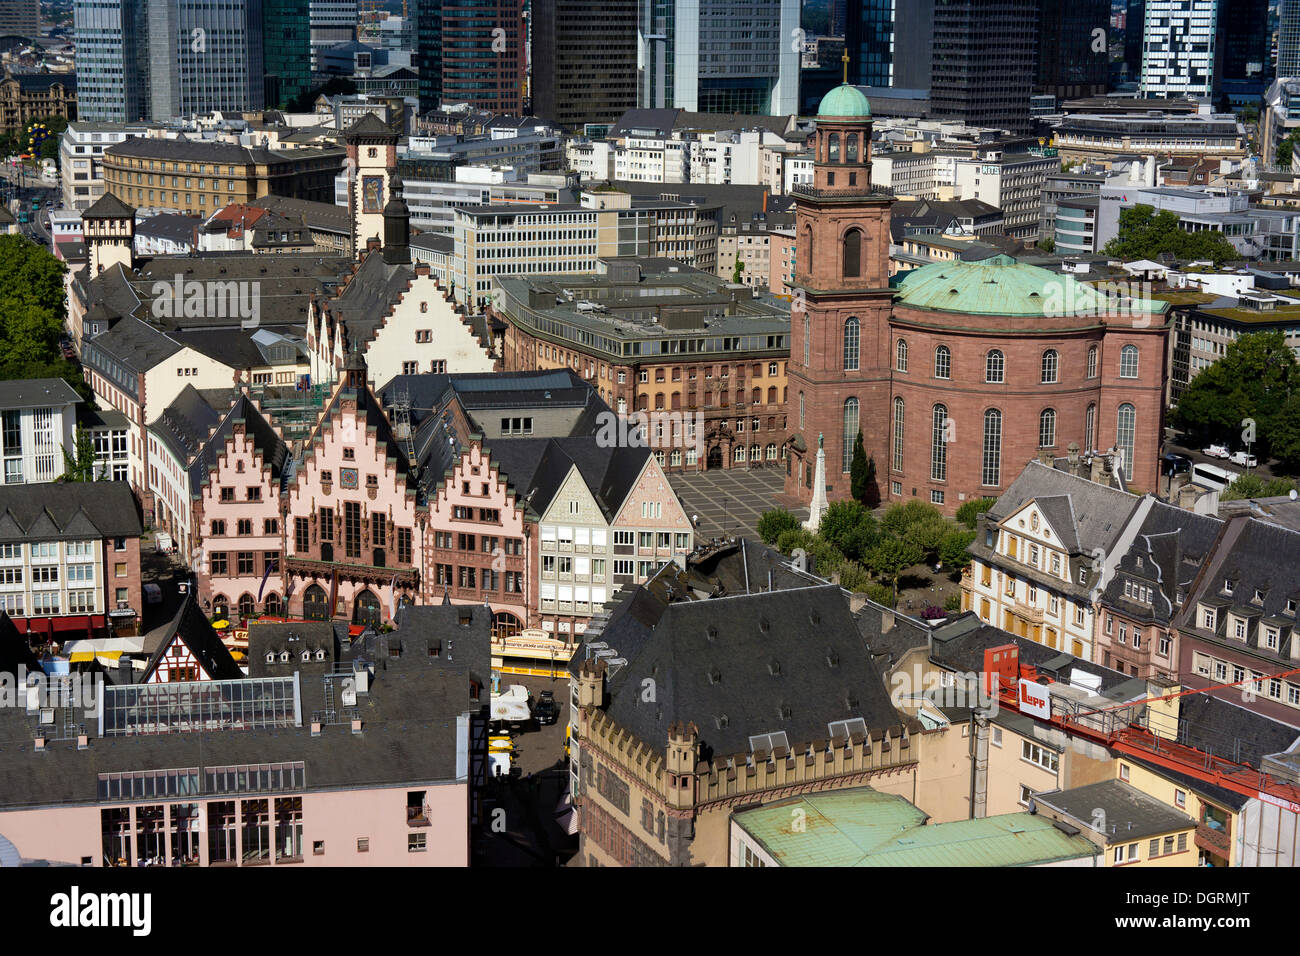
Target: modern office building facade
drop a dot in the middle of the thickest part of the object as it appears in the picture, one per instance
(985, 62)
(889, 43)
(714, 56)
(1071, 61)
(332, 22)
(111, 47)
(20, 18)
(204, 55)
(1179, 47)
(1288, 38)
(483, 52)
(570, 84)
(286, 49)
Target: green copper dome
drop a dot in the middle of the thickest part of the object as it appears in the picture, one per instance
(844, 100)
(999, 285)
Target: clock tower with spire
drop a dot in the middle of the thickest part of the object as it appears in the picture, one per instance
(839, 369)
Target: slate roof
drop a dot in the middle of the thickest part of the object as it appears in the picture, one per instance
(108, 206)
(1130, 815)
(1166, 555)
(185, 424)
(731, 664)
(465, 633)
(136, 345)
(375, 287)
(193, 629)
(1262, 562)
(536, 467)
(179, 229)
(266, 442)
(321, 216)
(37, 393)
(1084, 515)
(66, 512)
(1228, 730)
(408, 736)
(277, 638)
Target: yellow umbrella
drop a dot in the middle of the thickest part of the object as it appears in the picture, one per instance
(220, 624)
(80, 656)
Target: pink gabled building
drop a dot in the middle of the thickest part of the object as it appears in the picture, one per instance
(236, 514)
(353, 532)
(479, 548)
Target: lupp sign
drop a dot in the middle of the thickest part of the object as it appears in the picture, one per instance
(1035, 699)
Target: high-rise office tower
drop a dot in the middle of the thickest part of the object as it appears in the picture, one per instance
(1288, 38)
(427, 59)
(1179, 47)
(1072, 47)
(483, 54)
(1243, 47)
(332, 22)
(719, 56)
(286, 48)
(584, 66)
(839, 17)
(20, 18)
(204, 55)
(112, 48)
(889, 43)
(985, 61)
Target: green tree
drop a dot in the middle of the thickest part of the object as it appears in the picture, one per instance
(1282, 156)
(971, 510)
(1284, 433)
(81, 466)
(32, 314)
(772, 524)
(871, 490)
(890, 558)
(1146, 234)
(899, 517)
(737, 269)
(928, 533)
(1253, 486)
(1258, 379)
(952, 549)
(858, 471)
(849, 527)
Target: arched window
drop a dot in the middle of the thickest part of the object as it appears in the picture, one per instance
(807, 340)
(801, 409)
(272, 604)
(771, 452)
(220, 606)
(1089, 424)
(991, 474)
(994, 367)
(247, 606)
(850, 434)
(505, 624)
(1128, 362)
(851, 148)
(771, 395)
(898, 433)
(738, 455)
(833, 148)
(853, 254)
(1092, 362)
(1125, 429)
(1050, 362)
(315, 604)
(942, 362)
(851, 344)
(901, 354)
(808, 245)
(365, 609)
(939, 444)
(1047, 428)
(755, 453)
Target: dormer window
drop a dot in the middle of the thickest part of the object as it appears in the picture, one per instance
(270, 657)
(1239, 629)
(1208, 618)
(1259, 596)
(306, 656)
(284, 657)
(1270, 638)
(320, 655)
(1227, 585)
(1083, 575)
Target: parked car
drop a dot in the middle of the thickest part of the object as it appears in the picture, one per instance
(1243, 459)
(546, 710)
(1177, 464)
(1216, 451)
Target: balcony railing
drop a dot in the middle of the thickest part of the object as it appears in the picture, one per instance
(840, 192)
(418, 816)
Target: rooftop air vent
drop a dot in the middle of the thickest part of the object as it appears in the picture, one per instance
(774, 667)
(832, 657)
(715, 676)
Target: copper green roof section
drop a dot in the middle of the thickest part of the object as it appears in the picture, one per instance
(999, 285)
(864, 827)
(844, 101)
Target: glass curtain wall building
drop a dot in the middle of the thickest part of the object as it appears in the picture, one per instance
(111, 50)
(286, 47)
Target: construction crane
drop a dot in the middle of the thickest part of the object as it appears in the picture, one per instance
(1018, 688)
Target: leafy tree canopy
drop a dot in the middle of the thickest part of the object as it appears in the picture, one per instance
(1145, 234)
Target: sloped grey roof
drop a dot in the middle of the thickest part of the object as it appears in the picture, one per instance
(185, 424)
(1131, 813)
(37, 393)
(1099, 512)
(193, 628)
(104, 509)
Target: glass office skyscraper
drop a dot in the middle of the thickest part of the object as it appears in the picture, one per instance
(719, 56)
(286, 47)
(111, 54)
(889, 43)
